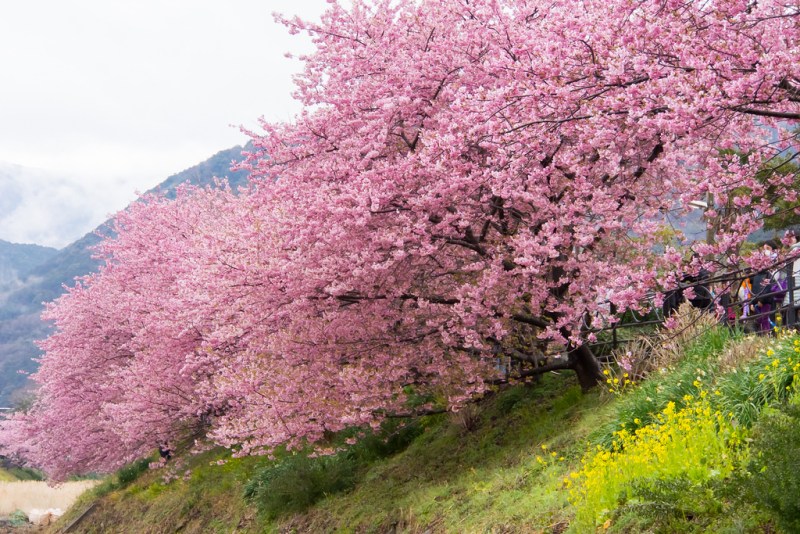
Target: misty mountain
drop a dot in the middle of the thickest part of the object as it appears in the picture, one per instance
(16, 260)
(38, 274)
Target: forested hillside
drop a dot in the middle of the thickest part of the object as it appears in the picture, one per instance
(16, 260)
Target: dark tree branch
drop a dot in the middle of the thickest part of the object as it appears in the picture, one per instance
(791, 87)
(767, 113)
(530, 319)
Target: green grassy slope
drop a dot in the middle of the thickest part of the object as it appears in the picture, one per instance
(500, 466)
(467, 472)
(476, 472)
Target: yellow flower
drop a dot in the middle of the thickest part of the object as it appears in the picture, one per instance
(761, 377)
(605, 372)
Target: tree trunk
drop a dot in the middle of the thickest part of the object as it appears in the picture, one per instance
(585, 365)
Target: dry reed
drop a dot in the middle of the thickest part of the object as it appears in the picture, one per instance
(27, 495)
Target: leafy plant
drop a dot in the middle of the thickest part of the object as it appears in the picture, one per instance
(775, 480)
(768, 379)
(297, 482)
(668, 505)
(132, 471)
(18, 519)
(691, 362)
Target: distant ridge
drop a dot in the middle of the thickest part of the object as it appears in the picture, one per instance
(17, 259)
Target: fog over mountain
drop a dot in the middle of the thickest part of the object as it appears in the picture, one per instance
(16, 260)
(43, 207)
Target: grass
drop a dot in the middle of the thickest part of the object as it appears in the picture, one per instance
(499, 474)
(6, 476)
(449, 478)
(499, 468)
(208, 499)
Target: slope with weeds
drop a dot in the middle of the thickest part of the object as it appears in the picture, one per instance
(509, 464)
(500, 470)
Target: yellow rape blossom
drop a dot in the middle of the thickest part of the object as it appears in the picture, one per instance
(693, 442)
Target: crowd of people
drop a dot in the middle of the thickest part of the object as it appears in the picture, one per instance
(758, 303)
(765, 298)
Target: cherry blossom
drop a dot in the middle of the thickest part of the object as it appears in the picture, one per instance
(469, 181)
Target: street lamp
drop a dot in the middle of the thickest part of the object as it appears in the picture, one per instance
(704, 205)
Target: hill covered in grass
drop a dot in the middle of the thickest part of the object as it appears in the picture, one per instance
(707, 442)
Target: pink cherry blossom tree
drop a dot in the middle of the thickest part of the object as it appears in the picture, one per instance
(469, 180)
(122, 371)
(496, 166)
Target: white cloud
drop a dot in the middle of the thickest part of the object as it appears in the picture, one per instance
(39, 207)
(114, 97)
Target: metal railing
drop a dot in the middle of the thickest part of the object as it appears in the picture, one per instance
(784, 312)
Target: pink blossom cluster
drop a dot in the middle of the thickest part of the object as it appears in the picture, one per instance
(468, 179)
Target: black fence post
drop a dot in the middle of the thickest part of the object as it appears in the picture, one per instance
(791, 311)
(614, 327)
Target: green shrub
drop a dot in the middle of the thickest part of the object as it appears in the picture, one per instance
(295, 483)
(744, 392)
(25, 473)
(639, 407)
(669, 505)
(18, 519)
(775, 480)
(132, 471)
(394, 437)
(508, 399)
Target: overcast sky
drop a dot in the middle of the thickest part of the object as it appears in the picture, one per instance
(105, 98)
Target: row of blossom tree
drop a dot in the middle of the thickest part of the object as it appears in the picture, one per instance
(469, 179)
